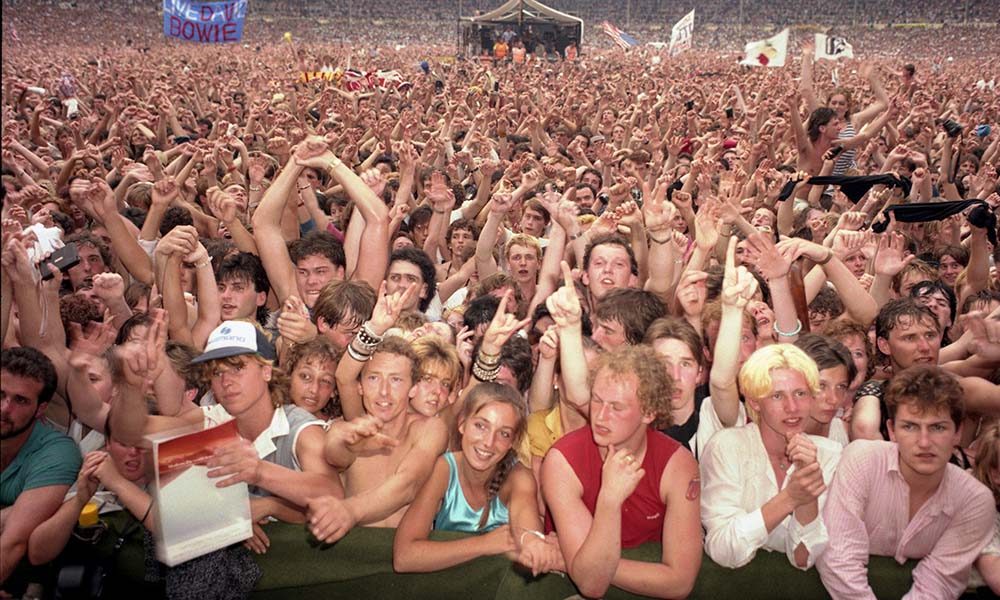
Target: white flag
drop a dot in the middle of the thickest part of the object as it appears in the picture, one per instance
(680, 35)
(832, 47)
(771, 52)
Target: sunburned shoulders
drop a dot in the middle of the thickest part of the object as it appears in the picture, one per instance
(420, 425)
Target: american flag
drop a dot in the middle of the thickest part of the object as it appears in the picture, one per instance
(619, 37)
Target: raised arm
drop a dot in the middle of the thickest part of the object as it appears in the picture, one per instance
(737, 288)
(564, 306)
(268, 236)
(486, 265)
(857, 301)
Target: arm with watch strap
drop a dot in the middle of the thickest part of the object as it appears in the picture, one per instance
(858, 303)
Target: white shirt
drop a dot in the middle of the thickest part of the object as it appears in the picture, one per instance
(264, 444)
(709, 424)
(737, 479)
(838, 432)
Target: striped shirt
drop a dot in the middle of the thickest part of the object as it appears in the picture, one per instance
(867, 513)
(846, 158)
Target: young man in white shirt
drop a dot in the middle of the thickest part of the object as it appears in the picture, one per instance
(764, 483)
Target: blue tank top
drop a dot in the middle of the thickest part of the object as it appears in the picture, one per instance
(455, 513)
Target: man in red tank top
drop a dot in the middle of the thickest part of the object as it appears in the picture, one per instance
(620, 483)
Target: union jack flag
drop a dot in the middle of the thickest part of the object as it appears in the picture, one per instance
(619, 37)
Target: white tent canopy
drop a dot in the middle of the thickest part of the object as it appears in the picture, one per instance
(526, 11)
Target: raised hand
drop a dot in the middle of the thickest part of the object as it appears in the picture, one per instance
(164, 192)
(768, 261)
(375, 180)
(503, 326)
(706, 225)
(95, 338)
(182, 240)
(502, 203)
(738, 284)
(109, 287)
(141, 362)
(657, 212)
(439, 194)
(628, 214)
(852, 221)
(564, 303)
(294, 324)
(390, 306)
(890, 260)
(222, 205)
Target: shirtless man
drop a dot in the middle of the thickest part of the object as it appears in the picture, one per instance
(384, 450)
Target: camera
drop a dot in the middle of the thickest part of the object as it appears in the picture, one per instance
(952, 127)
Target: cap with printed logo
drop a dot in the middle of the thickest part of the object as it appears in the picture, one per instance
(233, 338)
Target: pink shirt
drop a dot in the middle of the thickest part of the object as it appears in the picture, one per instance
(867, 512)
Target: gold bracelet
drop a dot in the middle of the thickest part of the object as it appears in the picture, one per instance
(203, 264)
(334, 163)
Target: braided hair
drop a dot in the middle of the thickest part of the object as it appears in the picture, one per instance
(478, 397)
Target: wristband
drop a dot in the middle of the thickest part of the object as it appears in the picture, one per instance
(357, 355)
(334, 163)
(574, 236)
(537, 534)
(304, 188)
(255, 188)
(485, 375)
(203, 264)
(653, 239)
(798, 329)
(368, 337)
(828, 258)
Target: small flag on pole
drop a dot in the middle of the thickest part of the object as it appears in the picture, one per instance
(619, 37)
(832, 47)
(680, 35)
(771, 52)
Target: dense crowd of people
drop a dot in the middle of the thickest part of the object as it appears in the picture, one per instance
(570, 307)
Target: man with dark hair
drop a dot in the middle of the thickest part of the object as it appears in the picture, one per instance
(836, 372)
(623, 316)
(243, 287)
(95, 257)
(534, 218)
(301, 268)
(412, 266)
(939, 298)
(908, 334)
(319, 259)
(419, 224)
(39, 464)
(902, 498)
(341, 308)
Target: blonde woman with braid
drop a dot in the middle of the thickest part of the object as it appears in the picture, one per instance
(479, 489)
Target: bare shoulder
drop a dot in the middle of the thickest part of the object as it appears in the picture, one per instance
(426, 432)
(680, 473)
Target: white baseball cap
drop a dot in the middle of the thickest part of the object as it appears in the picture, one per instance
(233, 338)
